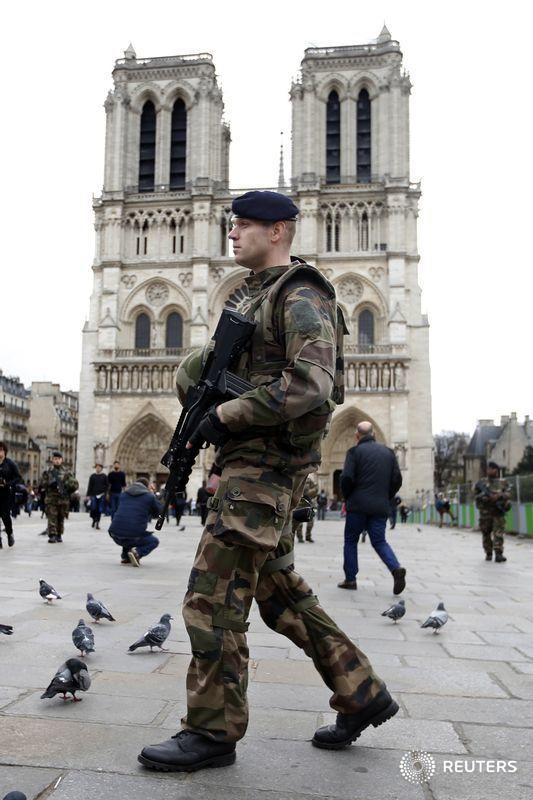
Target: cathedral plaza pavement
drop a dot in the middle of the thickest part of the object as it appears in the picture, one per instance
(466, 694)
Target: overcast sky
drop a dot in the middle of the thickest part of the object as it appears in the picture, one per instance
(470, 146)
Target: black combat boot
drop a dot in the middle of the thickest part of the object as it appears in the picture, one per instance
(499, 558)
(187, 752)
(347, 584)
(349, 727)
(488, 556)
(399, 580)
(10, 539)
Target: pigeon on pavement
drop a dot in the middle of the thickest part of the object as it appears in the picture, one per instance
(436, 619)
(48, 592)
(396, 611)
(72, 676)
(7, 629)
(83, 638)
(154, 636)
(97, 610)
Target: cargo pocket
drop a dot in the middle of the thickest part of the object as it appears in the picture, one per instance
(252, 514)
(202, 582)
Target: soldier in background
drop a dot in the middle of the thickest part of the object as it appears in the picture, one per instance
(492, 496)
(310, 494)
(9, 478)
(58, 485)
(268, 441)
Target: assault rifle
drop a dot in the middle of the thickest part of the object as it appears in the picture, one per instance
(216, 385)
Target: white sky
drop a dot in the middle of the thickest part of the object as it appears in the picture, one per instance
(470, 145)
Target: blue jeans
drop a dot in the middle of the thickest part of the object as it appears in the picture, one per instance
(114, 497)
(356, 523)
(97, 507)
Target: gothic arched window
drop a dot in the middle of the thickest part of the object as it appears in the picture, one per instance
(174, 330)
(363, 232)
(333, 139)
(333, 232)
(147, 148)
(363, 137)
(142, 332)
(178, 145)
(365, 327)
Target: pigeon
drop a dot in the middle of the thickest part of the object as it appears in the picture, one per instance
(436, 619)
(97, 610)
(7, 629)
(396, 611)
(83, 638)
(15, 796)
(154, 636)
(48, 592)
(72, 676)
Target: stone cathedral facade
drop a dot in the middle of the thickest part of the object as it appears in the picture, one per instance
(163, 268)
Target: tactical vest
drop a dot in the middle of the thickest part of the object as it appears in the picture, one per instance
(266, 357)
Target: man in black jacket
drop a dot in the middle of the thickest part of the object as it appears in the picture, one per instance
(370, 479)
(96, 490)
(9, 478)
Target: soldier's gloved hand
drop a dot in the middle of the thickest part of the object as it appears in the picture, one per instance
(211, 429)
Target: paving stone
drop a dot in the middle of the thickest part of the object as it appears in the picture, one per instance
(69, 744)
(93, 708)
(465, 709)
(493, 741)
(443, 681)
(159, 786)
(300, 672)
(32, 781)
(283, 695)
(484, 652)
(154, 684)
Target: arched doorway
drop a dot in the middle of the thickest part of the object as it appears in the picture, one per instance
(142, 446)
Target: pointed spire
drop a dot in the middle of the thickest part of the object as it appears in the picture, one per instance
(281, 176)
(130, 54)
(384, 36)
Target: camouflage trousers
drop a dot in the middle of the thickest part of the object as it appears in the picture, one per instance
(56, 514)
(298, 529)
(492, 527)
(246, 551)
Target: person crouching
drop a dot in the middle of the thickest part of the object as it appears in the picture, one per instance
(136, 507)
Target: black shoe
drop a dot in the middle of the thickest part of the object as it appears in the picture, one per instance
(59, 538)
(10, 539)
(347, 584)
(349, 727)
(1, 545)
(97, 526)
(399, 580)
(134, 558)
(93, 524)
(488, 556)
(52, 539)
(187, 752)
(499, 558)
(308, 539)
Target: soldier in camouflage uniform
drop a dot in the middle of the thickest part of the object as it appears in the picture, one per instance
(58, 485)
(268, 442)
(492, 500)
(310, 494)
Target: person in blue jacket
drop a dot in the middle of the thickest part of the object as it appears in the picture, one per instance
(136, 507)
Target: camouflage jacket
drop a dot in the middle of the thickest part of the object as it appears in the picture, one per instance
(58, 484)
(292, 363)
(484, 492)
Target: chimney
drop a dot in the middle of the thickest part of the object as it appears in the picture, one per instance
(504, 420)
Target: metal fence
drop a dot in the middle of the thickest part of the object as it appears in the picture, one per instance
(519, 519)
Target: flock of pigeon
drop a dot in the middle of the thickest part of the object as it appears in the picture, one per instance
(73, 675)
(436, 619)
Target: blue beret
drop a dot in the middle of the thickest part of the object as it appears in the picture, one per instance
(266, 206)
